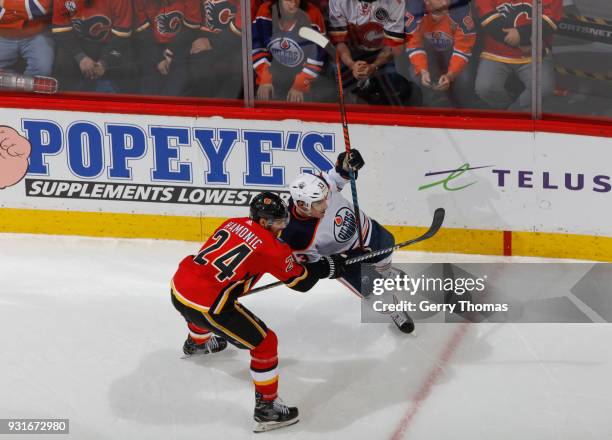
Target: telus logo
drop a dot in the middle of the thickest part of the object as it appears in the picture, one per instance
(549, 180)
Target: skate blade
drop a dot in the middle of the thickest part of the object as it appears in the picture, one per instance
(194, 355)
(269, 426)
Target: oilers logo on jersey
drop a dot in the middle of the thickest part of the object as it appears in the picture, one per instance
(345, 225)
(94, 28)
(440, 41)
(168, 23)
(286, 51)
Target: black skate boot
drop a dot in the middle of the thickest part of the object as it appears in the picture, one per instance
(213, 345)
(403, 321)
(273, 414)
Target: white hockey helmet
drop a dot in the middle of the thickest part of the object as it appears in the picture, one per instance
(308, 189)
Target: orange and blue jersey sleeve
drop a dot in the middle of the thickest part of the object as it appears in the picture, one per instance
(415, 51)
(262, 33)
(393, 30)
(464, 39)
(314, 63)
(123, 15)
(414, 35)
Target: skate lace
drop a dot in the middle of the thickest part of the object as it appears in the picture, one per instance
(280, 406)
(212, 343)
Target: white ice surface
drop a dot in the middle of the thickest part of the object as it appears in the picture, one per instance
(87, 332)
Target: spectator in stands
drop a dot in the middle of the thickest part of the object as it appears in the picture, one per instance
(367, 35)
(440, 35)
(286, 66)
(165, 33)
(506, 29)
(25, 35)
(216, 55)
(92, 44)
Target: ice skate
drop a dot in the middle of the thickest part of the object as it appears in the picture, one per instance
(213, 345)
(403, 321)
(273, 414)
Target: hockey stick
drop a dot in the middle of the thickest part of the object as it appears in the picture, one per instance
(310, 34)
(436, 223)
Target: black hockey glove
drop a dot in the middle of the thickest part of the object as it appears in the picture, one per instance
(357, 252)
(337, 266)
(351, 161)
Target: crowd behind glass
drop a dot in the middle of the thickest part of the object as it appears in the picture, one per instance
(439, 53)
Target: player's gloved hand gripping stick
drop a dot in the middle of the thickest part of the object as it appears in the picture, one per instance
(310, 34)
(438, 219)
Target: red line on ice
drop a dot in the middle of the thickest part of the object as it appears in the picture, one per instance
(425, 389)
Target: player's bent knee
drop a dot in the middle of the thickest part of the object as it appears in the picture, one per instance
(267, 347)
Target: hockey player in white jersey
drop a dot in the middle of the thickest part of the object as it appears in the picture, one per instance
(323, 223)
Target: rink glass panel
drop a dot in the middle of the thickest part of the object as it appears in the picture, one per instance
(404, 92)
(209, 63)
(582, 54)
(581, 58)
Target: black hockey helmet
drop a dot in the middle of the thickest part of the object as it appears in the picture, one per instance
(270, 207)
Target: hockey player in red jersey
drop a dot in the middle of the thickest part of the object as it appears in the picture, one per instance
(206, 289)
(93, 40)
(506, 28)
(164, 33)
(323, 223)
(440, 35)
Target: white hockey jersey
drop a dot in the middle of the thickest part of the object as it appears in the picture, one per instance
(310, 238)
(367, 26)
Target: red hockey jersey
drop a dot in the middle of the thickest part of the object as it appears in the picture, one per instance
(224, 15)
(93, 20)
(514, 14)
(166, 18)
(24, 18)
(231, 261)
